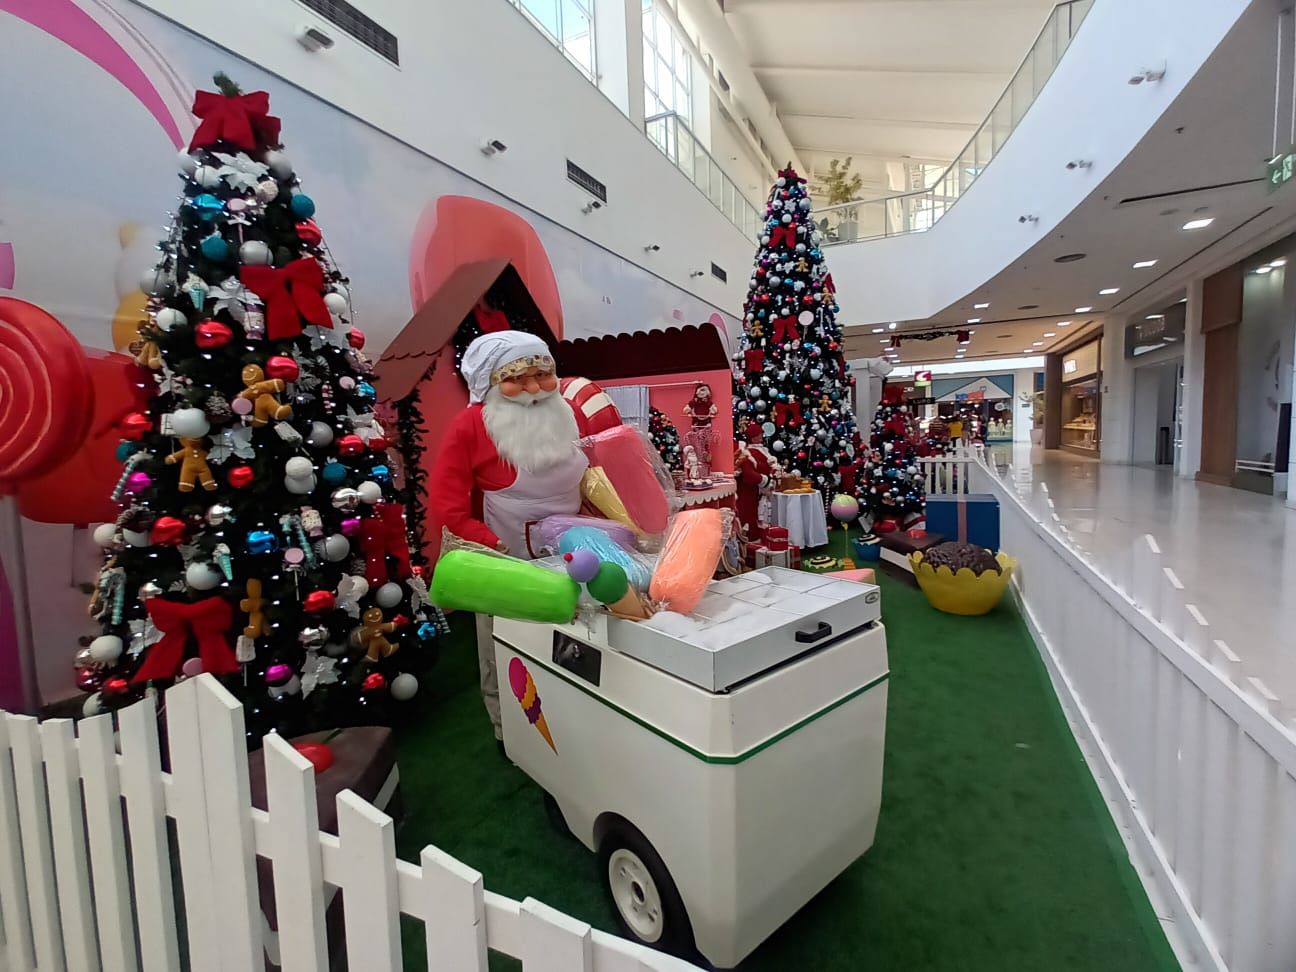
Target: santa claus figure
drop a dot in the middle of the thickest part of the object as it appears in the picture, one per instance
(508, 460)
(757, 472)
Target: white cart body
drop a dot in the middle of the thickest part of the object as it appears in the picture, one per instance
(752, 765)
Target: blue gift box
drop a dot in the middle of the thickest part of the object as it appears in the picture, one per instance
(970, 518)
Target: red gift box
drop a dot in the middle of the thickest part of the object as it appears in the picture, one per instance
(776, 538)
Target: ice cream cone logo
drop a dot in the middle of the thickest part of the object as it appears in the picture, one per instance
(524, 690)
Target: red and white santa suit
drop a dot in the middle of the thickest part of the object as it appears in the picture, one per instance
(755, 470)
(509, 459)
(506, 461)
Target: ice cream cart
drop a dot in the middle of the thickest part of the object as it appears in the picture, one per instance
(726, 766)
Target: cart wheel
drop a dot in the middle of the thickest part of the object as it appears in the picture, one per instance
(555, 814)
(646, 900)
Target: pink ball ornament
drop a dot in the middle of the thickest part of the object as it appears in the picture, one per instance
(844, 508)
(241, 406)
(236, 205)
(137, 482)
(191, 667)
(351, 526)
(278, 673)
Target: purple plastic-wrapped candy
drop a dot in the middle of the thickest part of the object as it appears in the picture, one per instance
(582, 565)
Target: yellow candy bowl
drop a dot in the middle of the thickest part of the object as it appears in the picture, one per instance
(964, 592)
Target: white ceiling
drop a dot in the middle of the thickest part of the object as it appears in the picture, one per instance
(884, 79)
(1218, 133)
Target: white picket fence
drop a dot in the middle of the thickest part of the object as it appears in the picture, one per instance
(948, 475)
(84, 886)
(1196, 760)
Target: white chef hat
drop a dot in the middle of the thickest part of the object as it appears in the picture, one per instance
(486, 359)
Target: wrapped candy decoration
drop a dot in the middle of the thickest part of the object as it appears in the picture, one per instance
(688, 559)
(544, 536)
(504, 587)
(602, 546)
(627, 459)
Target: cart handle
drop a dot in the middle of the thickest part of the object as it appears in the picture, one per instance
(818, 634)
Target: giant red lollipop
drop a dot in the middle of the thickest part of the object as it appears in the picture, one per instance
(46, 396)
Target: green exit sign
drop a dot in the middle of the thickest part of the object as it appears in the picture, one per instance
(1281, 168)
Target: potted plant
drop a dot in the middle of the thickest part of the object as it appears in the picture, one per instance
(841, 185)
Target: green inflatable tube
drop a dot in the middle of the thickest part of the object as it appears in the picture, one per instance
(503, 587)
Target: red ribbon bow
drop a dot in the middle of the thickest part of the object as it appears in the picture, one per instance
(786, 235)
(243, 120)
(290, 293)
(383, 535)
(490, 319)
(207, 621)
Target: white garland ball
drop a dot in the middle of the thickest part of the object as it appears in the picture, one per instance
(320, 434)
(336, 547)
(136, 538)
(780, 182)
(404, 687)
(280, 165)
(370, 492)
(202, 577)
(778, 445)
(206, 176)
(300, 487)
(93, 705)
(169, 317)
(336, 303)
(105, 534)
(106, 649)
(156, 281)
(254, 253)
(298, 467)
(190, 423)
(389, 595)
(267, 190)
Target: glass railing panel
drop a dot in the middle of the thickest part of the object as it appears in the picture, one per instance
(674, 139)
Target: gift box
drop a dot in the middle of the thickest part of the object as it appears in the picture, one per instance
(776, 538)
(970, 518)
(763, 556)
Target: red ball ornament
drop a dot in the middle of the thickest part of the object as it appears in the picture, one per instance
(167, 531)
(308, 232)
(356, 338)
(88, 680)
(116, 686)
(282, 367)
(374, 682)
(212, 334)
(135, 425)
(317, 602)
(319, 754)
(240, 476)
(350, 445)
(379, 444)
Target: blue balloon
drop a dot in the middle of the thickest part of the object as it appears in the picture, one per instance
(302, 206)
(207, 206)
(215, 248)
(334, 473)
(261, 542)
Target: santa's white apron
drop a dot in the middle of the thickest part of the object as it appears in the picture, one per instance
(533, 496)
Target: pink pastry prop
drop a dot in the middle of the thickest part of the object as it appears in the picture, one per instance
(688, 560)
(625, 459)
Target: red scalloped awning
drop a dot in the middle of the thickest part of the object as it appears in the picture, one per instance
(673, 351)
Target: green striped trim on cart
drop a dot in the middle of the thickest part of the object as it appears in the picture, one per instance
(680, 743)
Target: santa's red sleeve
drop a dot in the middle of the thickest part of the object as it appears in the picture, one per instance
(451, 492)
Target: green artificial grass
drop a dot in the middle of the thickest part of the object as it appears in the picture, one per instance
(994, 850)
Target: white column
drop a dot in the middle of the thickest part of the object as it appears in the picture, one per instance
(618, 55)
(1023, 413)
(1117, 394)
(1193, 382)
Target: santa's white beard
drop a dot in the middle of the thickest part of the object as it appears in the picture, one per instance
(531, 432)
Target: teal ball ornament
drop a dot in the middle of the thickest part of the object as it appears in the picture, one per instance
(207, 206)
(215, 249)
(302, 206)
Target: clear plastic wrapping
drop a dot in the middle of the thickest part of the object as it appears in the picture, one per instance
(627, 481)
(688, 559)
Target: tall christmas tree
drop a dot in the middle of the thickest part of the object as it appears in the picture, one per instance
(792, 378)
(892, 487)
(261, 539)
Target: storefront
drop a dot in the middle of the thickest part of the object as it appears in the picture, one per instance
(1079, 413)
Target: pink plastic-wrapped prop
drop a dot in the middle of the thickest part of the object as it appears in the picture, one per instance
(688, 560)
(624, 456)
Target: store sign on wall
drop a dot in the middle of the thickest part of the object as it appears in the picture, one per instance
(1069, 366)
(1281, 168)
(922, 377)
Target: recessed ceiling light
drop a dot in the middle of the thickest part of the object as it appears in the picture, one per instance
(1050, 333)
(1202, 223)
(1280, 262)
(1028, 350)
(892, 325)
(981, 306)
(963, 342)
(1264, 269)
(1037, 344)
(1064, 323)
(886, 341)
(1108, 291)
(878, 330)
(1029, 307)
(974, 320)
(1083, 310)
(1144, 264)
(1155, 317)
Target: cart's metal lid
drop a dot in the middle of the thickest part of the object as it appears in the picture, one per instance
(748, 624)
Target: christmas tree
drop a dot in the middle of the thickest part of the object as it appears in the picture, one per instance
(665, 437)
(792, 378)
(261, 538)
(892, 487)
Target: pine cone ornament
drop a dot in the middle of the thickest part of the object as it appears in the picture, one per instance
(218, 408)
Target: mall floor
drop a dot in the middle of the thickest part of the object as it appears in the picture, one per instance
(1234, 551)
(994, 851)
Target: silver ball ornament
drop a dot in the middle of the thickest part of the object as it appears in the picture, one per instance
(280, 165)
(369, 491)
(336, 547)
(320, 434)
(190, 423)
(218, 513)
(389, 595)
(202, 576)
(169, 317)
(254, 253)
(136, 538)
(105, 534)
(336, 304)
(404, 687)
(93, 705)
(106, 649)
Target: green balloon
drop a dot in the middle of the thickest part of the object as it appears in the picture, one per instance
(609, 584)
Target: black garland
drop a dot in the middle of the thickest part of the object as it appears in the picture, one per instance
(411, 429)
(961, 333)
(504, 297)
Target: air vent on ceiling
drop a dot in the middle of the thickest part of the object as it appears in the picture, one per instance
(718, 272)
(362, 28)
(586, 181)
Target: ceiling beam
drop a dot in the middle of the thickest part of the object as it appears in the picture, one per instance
(889, 74)
(939, 126)
(738, 6)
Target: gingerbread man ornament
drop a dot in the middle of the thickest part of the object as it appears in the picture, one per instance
(251, 605)
(193, 465)
(261, 391)
(372, 635)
